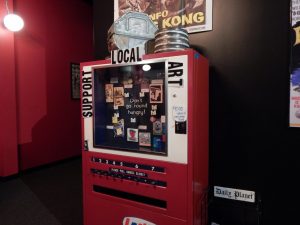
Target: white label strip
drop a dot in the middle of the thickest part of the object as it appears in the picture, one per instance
(234, 194)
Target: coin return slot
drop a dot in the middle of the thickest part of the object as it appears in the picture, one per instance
(129, 196)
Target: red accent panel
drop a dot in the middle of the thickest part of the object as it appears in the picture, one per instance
(198, 139)
(115, 212)
(175, 176)
(8, 128)
(56, 33)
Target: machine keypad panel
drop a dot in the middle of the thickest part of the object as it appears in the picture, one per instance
(129, 175)
(129, 165)
(128, 172)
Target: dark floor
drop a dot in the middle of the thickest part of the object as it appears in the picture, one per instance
(50, 195)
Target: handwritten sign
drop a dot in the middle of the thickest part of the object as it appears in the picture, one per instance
(136, 107)
(179, 113)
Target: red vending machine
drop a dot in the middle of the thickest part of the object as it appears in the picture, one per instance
(145, 139)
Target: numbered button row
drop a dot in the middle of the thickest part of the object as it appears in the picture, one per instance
(129, 177)
(129, 165)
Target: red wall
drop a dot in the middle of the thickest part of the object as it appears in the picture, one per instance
(8, 125)
(56, 33)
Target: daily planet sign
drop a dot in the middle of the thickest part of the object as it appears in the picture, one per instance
(194, 16)
(234, 194)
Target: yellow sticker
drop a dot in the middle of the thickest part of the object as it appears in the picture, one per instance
(119, 131)
(114, 119)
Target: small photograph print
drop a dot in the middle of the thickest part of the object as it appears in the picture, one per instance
(119, 129)
(132, 135)
(109, 94)
(118, 92)
(145, 85)
(156, 93)
(118, 101)
(157, 128)
(144, 139)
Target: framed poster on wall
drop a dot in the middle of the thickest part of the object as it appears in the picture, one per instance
(295, 65)
(75, 80)
(193, 15)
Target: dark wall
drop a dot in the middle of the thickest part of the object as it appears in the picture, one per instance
(251, 145)
(103, 17)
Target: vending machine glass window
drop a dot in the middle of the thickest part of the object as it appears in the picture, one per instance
(130, 108)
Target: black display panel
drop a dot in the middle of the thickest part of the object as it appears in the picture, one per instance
(130, 108)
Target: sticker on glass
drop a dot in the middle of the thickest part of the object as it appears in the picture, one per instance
(158, 81)
(114, 119)
(128, 86)
(142, 127)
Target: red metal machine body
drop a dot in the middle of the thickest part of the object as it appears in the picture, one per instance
(145, 140)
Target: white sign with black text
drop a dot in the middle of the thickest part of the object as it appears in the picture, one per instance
(127, 55)
(234, 194)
